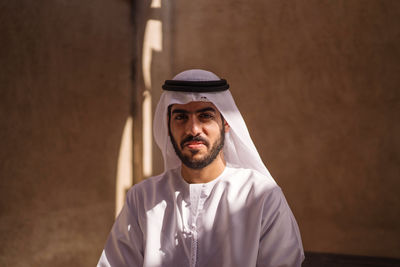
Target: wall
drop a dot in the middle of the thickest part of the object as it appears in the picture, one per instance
(65, 79)
(317, 83)
(323, 74)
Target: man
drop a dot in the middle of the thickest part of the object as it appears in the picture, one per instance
(216, 203)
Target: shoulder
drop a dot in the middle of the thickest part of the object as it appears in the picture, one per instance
(150, 186)
(250, 178)
(266, 194)
(251, 185)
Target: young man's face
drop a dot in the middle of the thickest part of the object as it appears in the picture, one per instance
(197, 132)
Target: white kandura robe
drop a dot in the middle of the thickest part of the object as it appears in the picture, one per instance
(240, 219)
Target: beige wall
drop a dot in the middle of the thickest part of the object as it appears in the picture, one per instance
(318, 85)
(316, 81)
(65, 84)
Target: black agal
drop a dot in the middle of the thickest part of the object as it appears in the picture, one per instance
(196, 86)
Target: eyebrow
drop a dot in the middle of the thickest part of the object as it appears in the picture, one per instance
(197, 111)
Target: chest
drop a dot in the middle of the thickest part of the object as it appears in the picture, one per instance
(203, 229)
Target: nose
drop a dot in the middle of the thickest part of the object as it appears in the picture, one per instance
(193, 126)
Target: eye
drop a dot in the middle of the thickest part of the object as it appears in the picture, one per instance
(206, 115)
(180, 116)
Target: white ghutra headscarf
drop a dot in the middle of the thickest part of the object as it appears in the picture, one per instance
(239, 150)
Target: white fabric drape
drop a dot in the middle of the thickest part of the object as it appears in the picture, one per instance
(239, 149)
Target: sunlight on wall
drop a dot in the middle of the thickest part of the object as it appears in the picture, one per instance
(147, 134)
(124, 171)
(152, 42)
(156, 4)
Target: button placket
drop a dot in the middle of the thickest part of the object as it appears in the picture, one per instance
(195, 206)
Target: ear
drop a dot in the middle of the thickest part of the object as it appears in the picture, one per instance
(226, 126)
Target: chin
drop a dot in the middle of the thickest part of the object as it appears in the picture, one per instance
(195, 157)
(193, 152)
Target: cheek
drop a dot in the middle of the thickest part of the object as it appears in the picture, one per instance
(213, 131)
(176, 131)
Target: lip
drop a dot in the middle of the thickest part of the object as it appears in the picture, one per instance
(194, 144)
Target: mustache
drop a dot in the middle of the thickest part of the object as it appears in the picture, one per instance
(190, 138)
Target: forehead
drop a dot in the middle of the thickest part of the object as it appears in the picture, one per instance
(194, 106)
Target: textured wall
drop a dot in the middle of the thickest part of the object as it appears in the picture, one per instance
(318, 85)
(64, 96)
(322, 74)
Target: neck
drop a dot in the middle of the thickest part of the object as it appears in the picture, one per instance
(206, 174)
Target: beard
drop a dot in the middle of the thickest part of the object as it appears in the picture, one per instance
(206, 159)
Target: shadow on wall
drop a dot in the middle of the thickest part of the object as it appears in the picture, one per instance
(65, 94)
